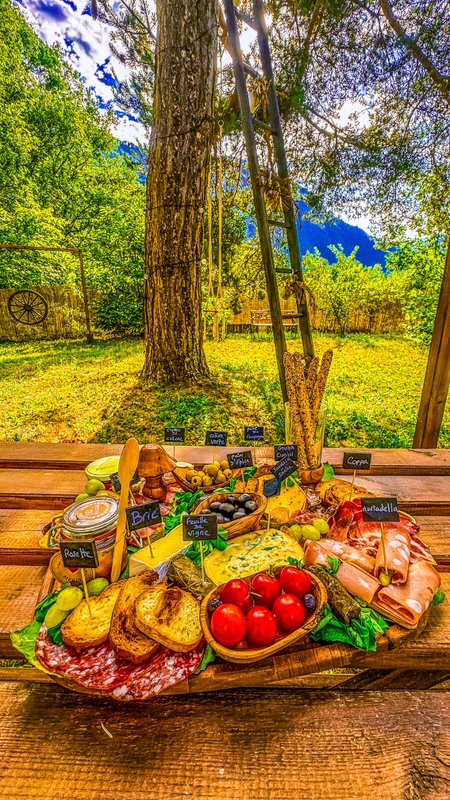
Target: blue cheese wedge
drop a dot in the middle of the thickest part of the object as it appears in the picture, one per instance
(250, 553)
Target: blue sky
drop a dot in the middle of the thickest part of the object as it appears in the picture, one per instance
(85, 44)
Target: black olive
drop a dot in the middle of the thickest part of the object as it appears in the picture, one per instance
(227, 509)
(215, 506)
(239, 514)
(251, 506)
(243, 499)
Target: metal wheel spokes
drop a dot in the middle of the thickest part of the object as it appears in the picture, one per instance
(28, 307)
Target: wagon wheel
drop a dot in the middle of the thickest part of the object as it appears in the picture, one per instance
(28, 307)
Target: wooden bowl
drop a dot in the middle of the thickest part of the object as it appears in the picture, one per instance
(238, 526)
(245, 653)
(180, 473)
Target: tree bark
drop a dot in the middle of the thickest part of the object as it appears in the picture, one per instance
(180, 146)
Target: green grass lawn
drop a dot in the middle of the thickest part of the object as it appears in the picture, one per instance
(60, 391)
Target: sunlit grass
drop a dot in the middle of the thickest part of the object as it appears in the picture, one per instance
(55, 391)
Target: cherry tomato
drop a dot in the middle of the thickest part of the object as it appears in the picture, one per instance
(228, 624)
(267, 587)
(261, 626)
(247, 604)
(295, 581)
(236, 593)
(289, 612)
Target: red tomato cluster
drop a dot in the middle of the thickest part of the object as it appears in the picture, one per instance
(261, 610)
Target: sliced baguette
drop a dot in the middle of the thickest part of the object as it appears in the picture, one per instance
(170, 616)
(82, 629)
(127, 640)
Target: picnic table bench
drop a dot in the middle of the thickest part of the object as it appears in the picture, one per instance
(261, 318)
(277, 732)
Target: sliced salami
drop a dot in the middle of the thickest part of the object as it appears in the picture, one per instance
(99, 668)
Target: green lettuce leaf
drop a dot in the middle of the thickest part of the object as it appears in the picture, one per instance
(328, 472)
(439, 597)
(25, 642)
(360, 632)
(208, 657)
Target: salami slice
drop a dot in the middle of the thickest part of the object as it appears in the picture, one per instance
(99, 668)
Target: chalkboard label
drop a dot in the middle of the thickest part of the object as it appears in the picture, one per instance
(380, 509)
(79, 554)
(241, 459)
(115, 483)
(216, 438)
(144, 515)
(286, 451)
(283, 469)
(357, 460)
(199, 527)
(254, 433)
(175, 435)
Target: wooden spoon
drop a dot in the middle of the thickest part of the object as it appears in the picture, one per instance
(128, 462)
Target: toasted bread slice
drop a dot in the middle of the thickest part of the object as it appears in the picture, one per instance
(170, 616)
(127, 640)
(82, 629)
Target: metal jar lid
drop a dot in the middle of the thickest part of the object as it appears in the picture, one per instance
(91, 517)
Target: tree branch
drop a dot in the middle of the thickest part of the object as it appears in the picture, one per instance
(441, 82)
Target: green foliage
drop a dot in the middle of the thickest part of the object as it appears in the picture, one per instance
(418, 267)
(63, 182)
(341, 288)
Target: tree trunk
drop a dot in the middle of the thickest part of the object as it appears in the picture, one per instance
(180, 145)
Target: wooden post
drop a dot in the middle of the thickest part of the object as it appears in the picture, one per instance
(437, 375)
(89, 335)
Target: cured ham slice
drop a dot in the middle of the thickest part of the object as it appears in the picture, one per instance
(408, 601)
(393, 554)
(357, 582)
(348, 554)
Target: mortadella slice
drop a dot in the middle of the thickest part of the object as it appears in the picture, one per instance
(357, 582)
(410, 600)
(348, 554)
(393, 554)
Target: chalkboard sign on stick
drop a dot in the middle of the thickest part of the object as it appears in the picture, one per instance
(79, 554)
(115, 483)
(200, 527)
(357, 461)
(283, 469)
(143, 516)
(174, 435)
(240, 460)
(216, 438)
(380, 509)
(286, 451)
(254, 433)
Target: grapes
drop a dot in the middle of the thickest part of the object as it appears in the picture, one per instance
(321, 525)
(309, 601)
(68, 599)
(214, 603)
(96, 586)
(54, 616)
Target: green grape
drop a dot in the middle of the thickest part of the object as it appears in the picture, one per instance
(97, 585)
(68, 599)
(321, 525)
(54, 616)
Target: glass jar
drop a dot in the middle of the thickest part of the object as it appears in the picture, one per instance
(94, 520)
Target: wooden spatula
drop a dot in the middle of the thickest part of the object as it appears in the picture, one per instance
(128, 462)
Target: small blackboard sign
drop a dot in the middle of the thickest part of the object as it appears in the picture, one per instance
(115, 483)
(380, 509)
(357, 461)
(286, 451)
(79, 554)
(216, 438)
(254, 433)
(283, 469)
(200, 527)
(174, 435)
(144, 515)
(240, 460)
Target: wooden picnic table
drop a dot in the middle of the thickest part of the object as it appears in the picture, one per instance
(278, 733)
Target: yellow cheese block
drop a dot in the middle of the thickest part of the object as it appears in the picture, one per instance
(291, 498)
(161, 550)
(250, 553)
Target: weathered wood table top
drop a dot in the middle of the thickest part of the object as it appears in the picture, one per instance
(380, 727)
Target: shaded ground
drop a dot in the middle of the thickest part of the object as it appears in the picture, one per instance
(55, 391)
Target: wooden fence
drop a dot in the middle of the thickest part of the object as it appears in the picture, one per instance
(65, 318)
(383, 321)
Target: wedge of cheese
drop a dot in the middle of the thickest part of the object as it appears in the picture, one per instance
(158, 556)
